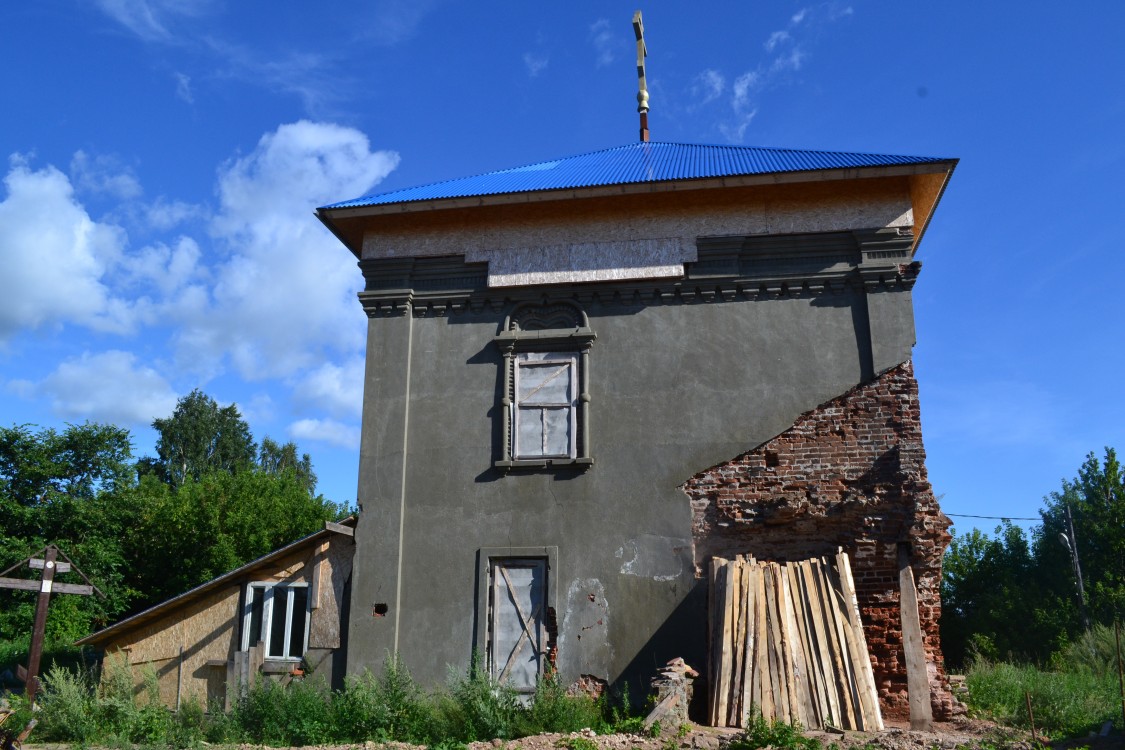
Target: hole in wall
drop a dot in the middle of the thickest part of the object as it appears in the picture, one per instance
(379, 609)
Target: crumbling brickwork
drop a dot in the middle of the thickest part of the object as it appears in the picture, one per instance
(850, 473)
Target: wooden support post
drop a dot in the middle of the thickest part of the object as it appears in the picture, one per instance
(917, 681)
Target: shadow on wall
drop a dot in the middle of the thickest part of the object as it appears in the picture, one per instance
(683, 634)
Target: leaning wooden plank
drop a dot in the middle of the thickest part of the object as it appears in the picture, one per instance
(777, 664)
(712, 640)
(864, 672)
(792, 674)
(917, 682)
(751, 591)
(715, 615)
(746, 620)
(826, 677)
(837, 646)
(817, 692)
(738, 615)
(725, 576)
(756, 661)
(831, 657)
(800, 694)
(841, 611)
(764, 685)
(835, 606)
(800, 648)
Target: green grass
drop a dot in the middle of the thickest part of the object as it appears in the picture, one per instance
(1065, 703)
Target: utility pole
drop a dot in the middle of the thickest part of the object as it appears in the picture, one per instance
(1071, 543)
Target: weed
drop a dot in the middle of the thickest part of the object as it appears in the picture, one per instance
(776, 734)
(577, 743)
(552, 710)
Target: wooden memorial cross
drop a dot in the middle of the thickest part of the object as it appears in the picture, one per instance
(46, 585)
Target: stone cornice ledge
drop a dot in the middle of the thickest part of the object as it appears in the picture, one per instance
(727, 269)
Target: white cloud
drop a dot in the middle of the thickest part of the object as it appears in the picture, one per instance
(735, 131)
(167, 268)
(708, 86)
(395, 21)
(535, 63)
(55, 257)
(326, 431)
(183, 88)
(103, 175)
(742, 88)
(334, 388)
(151, 19)
(137, 16)
(790, 61)
(109, 387)
(799, 16)
(601, 36)
(285, 296)
(163, 214)
(776, 38)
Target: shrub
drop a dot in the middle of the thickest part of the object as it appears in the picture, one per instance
(552, 710)
(391, 707)
(476, 707)
(66, 707)
(276, 714)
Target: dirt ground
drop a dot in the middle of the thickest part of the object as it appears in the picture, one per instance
(965, 734)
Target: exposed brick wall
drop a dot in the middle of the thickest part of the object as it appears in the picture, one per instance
(850, 473)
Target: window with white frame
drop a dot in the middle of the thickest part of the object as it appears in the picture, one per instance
(278, 616)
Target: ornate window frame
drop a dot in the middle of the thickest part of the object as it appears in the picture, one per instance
(551, 328)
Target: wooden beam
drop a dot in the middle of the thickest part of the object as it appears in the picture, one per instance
(339, 528)
(38, 563)
(54, 586)
(917, 682)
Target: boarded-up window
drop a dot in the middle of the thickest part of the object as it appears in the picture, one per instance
(278, 616)
(545, 405)
(517, 605)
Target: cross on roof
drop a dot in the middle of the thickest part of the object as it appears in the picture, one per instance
(642, 90)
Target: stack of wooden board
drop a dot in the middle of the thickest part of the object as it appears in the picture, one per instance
(786, 641)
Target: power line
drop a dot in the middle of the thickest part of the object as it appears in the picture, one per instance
(993, 518)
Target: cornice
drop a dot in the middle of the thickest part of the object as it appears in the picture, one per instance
(748, 268)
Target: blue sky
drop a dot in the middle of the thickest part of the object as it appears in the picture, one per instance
(162, 160)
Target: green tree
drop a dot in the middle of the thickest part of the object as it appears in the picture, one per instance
(988, 584)
(1005, 597)
(200, 437)
(274, 458)
(212, 525)
(1096, 498)
(67, 488)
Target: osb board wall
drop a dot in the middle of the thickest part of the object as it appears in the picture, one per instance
(688, 214)
(208, 628)
(850, 473)
(205, 628)
(324, 628)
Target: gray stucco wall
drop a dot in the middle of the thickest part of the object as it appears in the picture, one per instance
(679, 382)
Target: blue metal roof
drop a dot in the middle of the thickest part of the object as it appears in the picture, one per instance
(637, 163)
